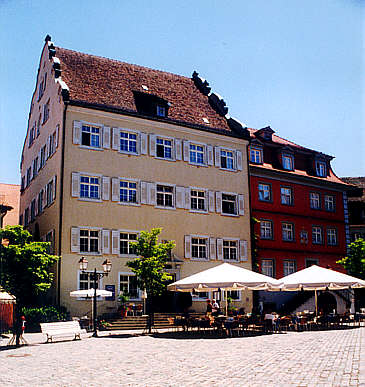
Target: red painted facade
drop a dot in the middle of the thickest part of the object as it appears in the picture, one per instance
(302, 225)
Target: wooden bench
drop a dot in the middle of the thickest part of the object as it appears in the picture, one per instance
(62, 329)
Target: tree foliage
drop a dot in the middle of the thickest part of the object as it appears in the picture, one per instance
(354, 263)
(25, 266)
(150, 264)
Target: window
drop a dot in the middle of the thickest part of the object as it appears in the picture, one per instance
(304, 236)
(50, 189)
(198, 200)
(22, 184)
(45, 112)
(89, 187)
(40, 202)
(26, 217)
(266, 229)
(125, 239)
(164, 148)
(229, 204)
(317, 235)
(32, 210)
(161, 111)
(315, 200)
(227, 159)
(21, 220)
(89, 241)
(288, 162)
(256, 155)
(43, 157)
(329, 202)
(234, 294)
(29, 175)
(199, 248)
(165, 195)
(42, 86)
(52, 144)
(35, 167)
(128, 192)
(288, 232)
(286, 195)
(196, 154)
(310, 261)
(230, 250)
(267, 267)
(31, 136)
(200, 295)
(128, 142)
(50, 239)
(289, 267)
(39, 125)
(331, 236)
(128, 285)
(264, 192)
(90, 136)
(86, 280)
(321, 169)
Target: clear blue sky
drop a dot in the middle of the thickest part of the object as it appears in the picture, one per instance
(294, 65)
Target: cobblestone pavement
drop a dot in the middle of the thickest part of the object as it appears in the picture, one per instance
(325, 358)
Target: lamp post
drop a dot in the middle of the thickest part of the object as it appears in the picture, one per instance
(107, 266)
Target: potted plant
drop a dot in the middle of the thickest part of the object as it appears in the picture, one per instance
(123, 299)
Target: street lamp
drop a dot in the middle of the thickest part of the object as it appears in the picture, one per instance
(107, 266)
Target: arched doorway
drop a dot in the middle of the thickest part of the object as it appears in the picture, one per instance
(327, 302)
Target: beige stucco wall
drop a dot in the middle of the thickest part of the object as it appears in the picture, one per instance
(175, 223)
(9, 196)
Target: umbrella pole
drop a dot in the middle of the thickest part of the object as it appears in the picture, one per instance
(316, 301)
(225, 290)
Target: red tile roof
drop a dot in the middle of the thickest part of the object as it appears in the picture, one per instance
(96, 80)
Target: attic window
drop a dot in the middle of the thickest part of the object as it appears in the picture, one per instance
(287, 161)
(161, 111)
(151, 105)
(206, 120)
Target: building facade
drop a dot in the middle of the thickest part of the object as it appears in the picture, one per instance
(9, 204)
(112, 149)
(300, 206)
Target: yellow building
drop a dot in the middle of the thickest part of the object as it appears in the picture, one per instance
(114, 148)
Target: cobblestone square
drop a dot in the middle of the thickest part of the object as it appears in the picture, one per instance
(306, 359)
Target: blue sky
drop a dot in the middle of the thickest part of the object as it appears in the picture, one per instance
(294, 65)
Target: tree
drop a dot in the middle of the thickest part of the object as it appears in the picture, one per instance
(354, 263)
(25, 267)
(150, 264)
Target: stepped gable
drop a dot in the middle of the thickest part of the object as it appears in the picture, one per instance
(111, 83)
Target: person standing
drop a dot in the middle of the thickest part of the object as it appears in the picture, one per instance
(209, 308)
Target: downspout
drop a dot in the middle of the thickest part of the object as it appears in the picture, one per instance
(61, 204)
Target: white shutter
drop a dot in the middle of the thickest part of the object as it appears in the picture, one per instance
(106, 242)
(187, 198)
(211, 201)
(143, 137)
(243, 250)
(187, 246)
(106, 188)
(186, 149)
(212, 248)
(144, 192)
(239, 160)
(75, 240)
(75, 184)
(151, 194)
(115, 139)
(115, 241)
(220, 249)
(241, 205)
(54, 188)
(180, 197)
(217, 156)
(218, 202)
(210, 154)
(115, 189)
(106, 137)
(152, 145)
(178, 149)
(56, 137)
(77, 132)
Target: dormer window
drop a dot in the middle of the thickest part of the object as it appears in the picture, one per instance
(151, 105)
(161, 111)
(321, 169)
(287, 161)
(256, 155)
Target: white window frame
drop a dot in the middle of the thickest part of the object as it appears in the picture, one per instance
(99, 230)
(129, 132)
(235, 204)
(269, 190)
(314, 199)
(256, 154)
(90, 176)
(287, 157)
(263, 229)
(234, 161)
(229, 292)
(127, 232)
(289, 266)
(332, 207)
(321, 168)
(265, 268)
(173, 207)
(92, 125)
(315, 235)
(332, 237)
(237, 241)
(138, 191)
(284, 195)
(90, 283)
(287, 228)
(129, 274)
(206, 238)
(165, 138)
(206, 200)
(204, 146)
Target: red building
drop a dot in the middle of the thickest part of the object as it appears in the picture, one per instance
(301, 206)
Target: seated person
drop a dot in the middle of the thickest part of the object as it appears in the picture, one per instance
(216, 309)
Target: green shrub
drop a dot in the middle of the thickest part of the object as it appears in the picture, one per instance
(36, 315)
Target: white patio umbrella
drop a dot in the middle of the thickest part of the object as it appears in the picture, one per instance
(318, 278)
(224, 276)
(6, 297)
